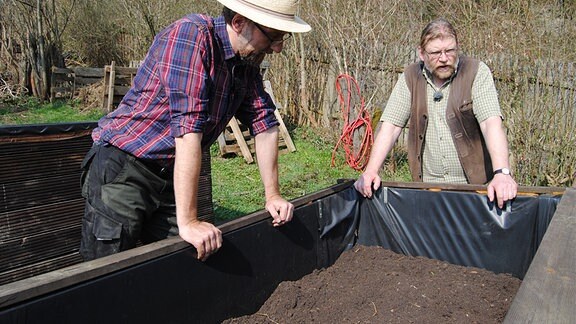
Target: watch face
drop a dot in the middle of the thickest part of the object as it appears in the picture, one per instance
(504, 171)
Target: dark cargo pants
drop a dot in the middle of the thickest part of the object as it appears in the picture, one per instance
(126, 202)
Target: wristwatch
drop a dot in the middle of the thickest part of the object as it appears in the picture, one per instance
(504, 171)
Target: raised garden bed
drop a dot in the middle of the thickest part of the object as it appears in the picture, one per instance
(163, 282)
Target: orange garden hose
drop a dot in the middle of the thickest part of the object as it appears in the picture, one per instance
(355, 159)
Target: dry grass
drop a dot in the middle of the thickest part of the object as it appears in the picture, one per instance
(90, 97)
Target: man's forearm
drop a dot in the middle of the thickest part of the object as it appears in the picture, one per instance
(267, 156)
(496, 142)
(383, 143)
(186, 175)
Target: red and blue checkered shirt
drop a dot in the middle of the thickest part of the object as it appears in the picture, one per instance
(191, 81)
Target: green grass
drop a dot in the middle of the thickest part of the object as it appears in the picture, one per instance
(30, 111)
(237, 189)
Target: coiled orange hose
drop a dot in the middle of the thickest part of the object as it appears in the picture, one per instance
(355, 159)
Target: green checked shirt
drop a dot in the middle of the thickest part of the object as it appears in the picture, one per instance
(440, 159)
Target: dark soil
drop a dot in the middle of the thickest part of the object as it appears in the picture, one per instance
(375, 285)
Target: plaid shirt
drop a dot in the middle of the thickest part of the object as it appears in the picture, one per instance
(440, 162)
(191, 81)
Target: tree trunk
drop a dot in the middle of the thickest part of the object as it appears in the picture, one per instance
(304, 102)
(41, 60)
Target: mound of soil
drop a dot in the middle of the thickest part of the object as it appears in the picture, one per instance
(375, 285)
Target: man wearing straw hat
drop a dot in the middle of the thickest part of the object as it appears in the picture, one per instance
(141, 175)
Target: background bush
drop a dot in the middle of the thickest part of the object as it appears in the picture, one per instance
(528, 44)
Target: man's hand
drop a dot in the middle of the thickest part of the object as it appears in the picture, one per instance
(366, 182)
(503, 188)
(205, 237)
(280, 210)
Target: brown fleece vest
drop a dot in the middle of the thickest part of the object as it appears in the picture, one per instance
(464, 127)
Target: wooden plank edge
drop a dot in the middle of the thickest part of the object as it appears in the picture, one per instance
(548, 292)
(522, 190)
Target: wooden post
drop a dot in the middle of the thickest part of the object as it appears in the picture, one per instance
(111, 81)
(283, 130)
(240, 140)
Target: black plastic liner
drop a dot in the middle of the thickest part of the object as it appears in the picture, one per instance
(46, 129)
(458, 227)
(461, 228)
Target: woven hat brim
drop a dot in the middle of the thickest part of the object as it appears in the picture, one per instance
(291, 24)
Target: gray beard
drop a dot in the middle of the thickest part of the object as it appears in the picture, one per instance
(430, 73)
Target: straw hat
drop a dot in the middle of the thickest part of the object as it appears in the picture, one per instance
(276, 14)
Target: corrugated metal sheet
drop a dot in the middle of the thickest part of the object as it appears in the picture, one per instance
(40, 203)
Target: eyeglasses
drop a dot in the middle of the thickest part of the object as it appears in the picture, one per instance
(450, 52)
(273, 42)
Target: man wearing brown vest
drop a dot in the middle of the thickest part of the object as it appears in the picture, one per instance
(455, 132)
